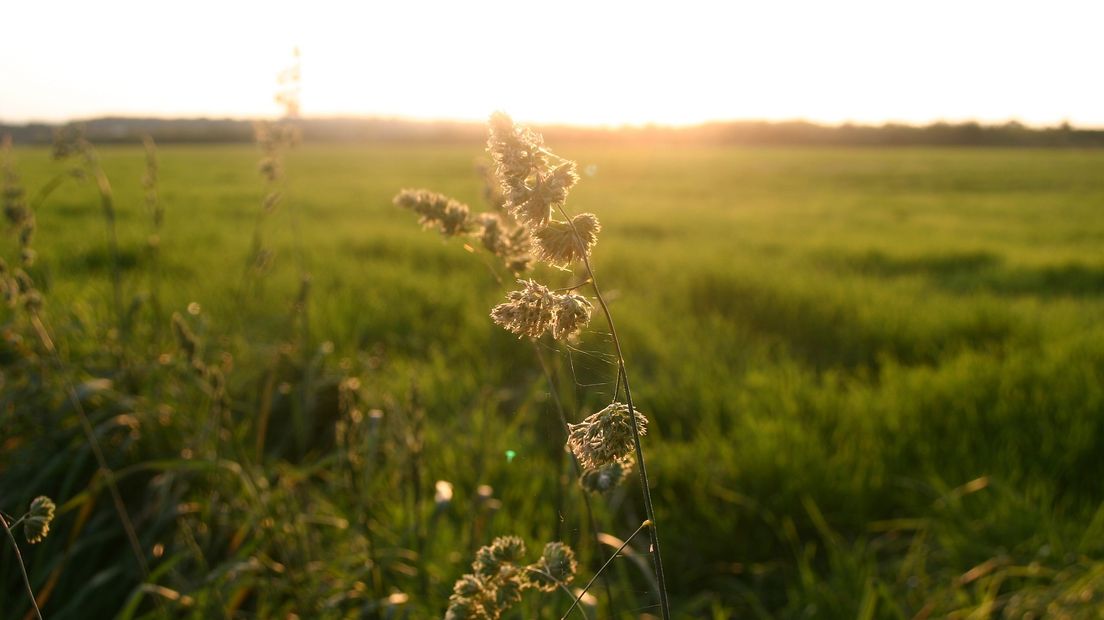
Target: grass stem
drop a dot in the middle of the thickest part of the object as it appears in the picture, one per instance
(578, 470)
(22, 567)
(107, 204)
(657, 557)
(604, 566)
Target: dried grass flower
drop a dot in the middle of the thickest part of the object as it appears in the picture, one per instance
(185, 338)
(535, 309)
(571, 316)
(517, 152)
(531, 186)
(499, 579)
(510, 243)
(533, 204)
(507, 549)
(605, 437)
(36, 525)
(492, 233)
(528, 312)
(556, 567)
(450, 216)
(69, 140)
(608, 477)
(563, 243)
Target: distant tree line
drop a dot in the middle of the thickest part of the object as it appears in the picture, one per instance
(383, 130)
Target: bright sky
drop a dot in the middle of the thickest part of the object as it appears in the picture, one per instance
(592, 62)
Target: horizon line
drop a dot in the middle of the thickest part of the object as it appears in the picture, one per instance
(398, 118)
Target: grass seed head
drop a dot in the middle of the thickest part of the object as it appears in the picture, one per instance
(561, 243)
(468, 586)
(465, 608)
(533, 203)
(185, 338)
(535, 309)
(36, 525)
(269, 167)
(68, 141)
(27, 257)
(499, 578)
(450, 216)
(607, 477)
(24, 281)
(486, 565)
(556, 567)
(32, 301)
(531, 186)
(510, 584)
(511, 244)
(518, 154)
(572, 315)
(508, 548)
(491, 234)
(605, 437)
(528, 312)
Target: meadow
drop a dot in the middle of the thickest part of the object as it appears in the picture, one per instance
(875, 381)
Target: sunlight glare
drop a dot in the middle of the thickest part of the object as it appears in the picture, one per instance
(606, 63)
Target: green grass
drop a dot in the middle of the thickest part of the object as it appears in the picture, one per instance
(875, 380)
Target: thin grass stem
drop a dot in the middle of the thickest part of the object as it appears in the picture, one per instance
(155, 209)
(604, 566)
(572, 287)
(578, 470)
(107, 205)
(22, 567)
(623, 375)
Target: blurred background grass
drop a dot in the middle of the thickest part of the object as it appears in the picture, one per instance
(875, 379)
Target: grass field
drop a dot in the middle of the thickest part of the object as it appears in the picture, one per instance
(875, 380)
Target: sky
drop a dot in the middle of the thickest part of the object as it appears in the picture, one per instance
(594, 62)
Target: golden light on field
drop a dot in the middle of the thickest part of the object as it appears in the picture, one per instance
(570, 61)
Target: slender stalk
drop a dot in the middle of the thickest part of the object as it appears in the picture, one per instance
(604, 566)
(572, 287)
(22, 567)
(107, 203)
(578, 470)
(256, 247)
(55, 182)
(272, 161)
(302, 302)
(302, 310)
(156, 213)
(657, 558)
